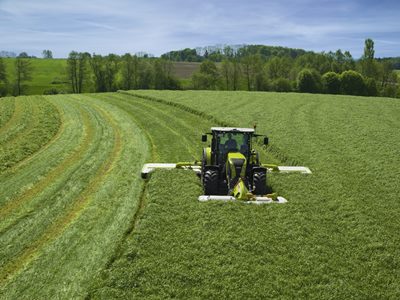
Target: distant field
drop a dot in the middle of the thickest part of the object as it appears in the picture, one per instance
(77, 221)
(50, 73)
(185, 70)
(46, 74)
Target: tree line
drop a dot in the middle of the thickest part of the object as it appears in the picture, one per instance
(112, 72)
(252, 68)
(333, 72)
(219, 53)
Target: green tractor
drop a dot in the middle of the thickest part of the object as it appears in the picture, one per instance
(230, 169)
(230, 166)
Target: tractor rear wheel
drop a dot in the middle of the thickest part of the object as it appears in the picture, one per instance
(210, 182)
(260, 183)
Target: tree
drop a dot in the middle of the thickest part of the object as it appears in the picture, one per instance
(162, 76)
(3, 78)
(253, 72)
(77, 72)
(99, 74)
(309, 81)
(370, 87)
(368, 65)
(331, 83)
(281, 85)
(23, 55)
(111, 67)
(130, 71)
(369, 51)
(47, 54)
(23, 73)
(226, 72)
(207, 77)
(145, 74)
(278, 67)
(352, 83)
(237, 73)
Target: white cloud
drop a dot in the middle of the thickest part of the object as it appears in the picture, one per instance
(158, 26)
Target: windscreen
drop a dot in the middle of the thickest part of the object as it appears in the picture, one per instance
(233, 142)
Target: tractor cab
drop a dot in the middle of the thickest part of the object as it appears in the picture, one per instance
(227, 140)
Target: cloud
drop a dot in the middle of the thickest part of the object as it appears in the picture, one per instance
(158, 26)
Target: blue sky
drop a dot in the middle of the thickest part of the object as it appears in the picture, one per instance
(121, 26)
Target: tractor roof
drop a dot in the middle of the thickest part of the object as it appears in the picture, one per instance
(232, 129)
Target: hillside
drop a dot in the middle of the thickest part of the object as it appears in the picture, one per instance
(78, 221)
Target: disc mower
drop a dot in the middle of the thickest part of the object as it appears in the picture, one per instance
(230, 169)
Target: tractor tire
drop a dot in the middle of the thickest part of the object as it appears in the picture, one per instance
(260, 183)
(210, 182)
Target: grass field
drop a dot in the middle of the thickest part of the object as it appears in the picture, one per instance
(76, 220)
(51, 73)
(46, 74)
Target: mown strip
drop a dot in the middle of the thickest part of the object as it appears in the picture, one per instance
(7, 110)
(46, 179)
(23, 175)
(66, 265)
(38, 213)
(59, 225)
(39, 128)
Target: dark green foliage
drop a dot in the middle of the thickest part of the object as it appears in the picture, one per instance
(352, 83)
(390, 91)
(218, 54)
(53, 91)
(3, 78)
(23, 73)
(162, 75)
(371, 87)
(47, 54)
(130, 71)
(331, 83)
(282, 85)
(186, 54)
(77, 70)
(369, 51)
(278, 67)
(105, 71)
(309, 81)
(206, 77)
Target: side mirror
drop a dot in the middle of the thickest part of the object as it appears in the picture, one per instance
(266, 140)
(204, 138)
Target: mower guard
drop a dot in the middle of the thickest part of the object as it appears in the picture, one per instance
(196, 167)
(255, 200)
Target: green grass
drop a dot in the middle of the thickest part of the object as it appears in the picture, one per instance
(76, 220)
(34, 123)
(337, 236)
(64, 210)
(46, 74)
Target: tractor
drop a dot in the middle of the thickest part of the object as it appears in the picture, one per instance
(230, 166)
(230, 169)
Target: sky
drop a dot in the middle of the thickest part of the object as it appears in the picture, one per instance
(156, 27)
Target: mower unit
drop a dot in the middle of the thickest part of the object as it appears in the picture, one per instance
(230, 169)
